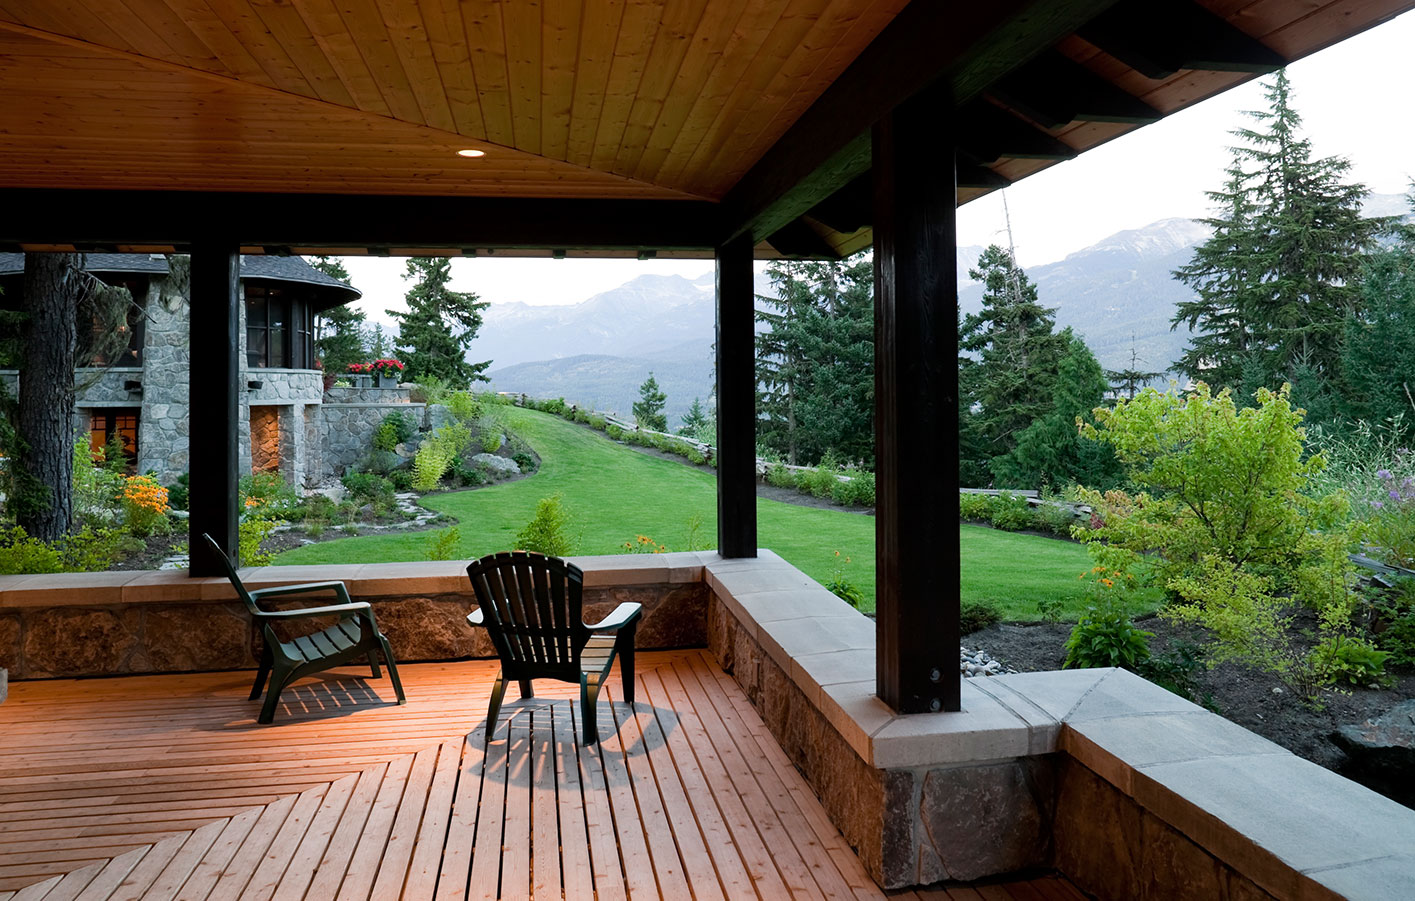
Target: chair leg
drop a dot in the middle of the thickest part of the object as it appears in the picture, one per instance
(589, 694)
(261, 674)
(625, 644)
(278, 681)
(526, 689)
(392, 670)
(498, 691)
(373, 664)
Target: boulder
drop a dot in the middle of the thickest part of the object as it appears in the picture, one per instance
(497, 464)
(1381, 752)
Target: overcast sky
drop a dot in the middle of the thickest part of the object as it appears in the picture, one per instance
(1353, 97)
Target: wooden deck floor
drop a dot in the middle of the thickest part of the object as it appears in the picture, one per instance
(164, 787)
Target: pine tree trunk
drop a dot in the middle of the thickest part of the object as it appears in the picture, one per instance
(46, 415)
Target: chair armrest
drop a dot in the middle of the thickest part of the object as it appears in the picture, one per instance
(360, 608)
(618, 618)
(476, 618)
(338, 588)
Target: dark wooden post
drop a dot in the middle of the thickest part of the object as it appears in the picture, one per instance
(916, 398)
(215, 369)
(736, 402)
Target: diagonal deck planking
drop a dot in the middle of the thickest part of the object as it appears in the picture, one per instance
(163, 787)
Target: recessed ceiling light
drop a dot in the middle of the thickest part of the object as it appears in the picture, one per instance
(471, 153)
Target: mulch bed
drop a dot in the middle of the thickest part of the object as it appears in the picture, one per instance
(1255, 700)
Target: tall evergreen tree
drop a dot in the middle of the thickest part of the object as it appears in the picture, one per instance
(1378, 364)
(815, 362)
(1130, 381)
(648, 409)
(1051, 451)
(1016, 353)
(439, 325)
(695, 422)
(341, 328)
(1277, 281)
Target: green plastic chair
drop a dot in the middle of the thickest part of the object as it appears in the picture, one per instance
(355, 636)
(530, 605)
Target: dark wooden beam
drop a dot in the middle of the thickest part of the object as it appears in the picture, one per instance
(799, 241)
(1053, 91)
(967, 46)
(736, 402)
(375, 222)
(973, 175)
(916, 410)
(849, 209)
(214, 401)
(1157, 38)
(988, 133)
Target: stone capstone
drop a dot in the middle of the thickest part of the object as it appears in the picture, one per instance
(1381, 752)
(68, 642)
(497, 464)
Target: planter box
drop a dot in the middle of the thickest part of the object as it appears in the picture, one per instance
(388, 381)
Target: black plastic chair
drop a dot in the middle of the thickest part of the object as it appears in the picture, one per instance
(530, 604)
(353, 637)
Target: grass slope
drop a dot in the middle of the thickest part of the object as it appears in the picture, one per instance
(613, 494)
(1015, 571)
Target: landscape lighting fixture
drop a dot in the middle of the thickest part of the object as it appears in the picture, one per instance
(471, 153)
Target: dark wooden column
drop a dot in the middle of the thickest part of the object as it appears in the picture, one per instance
(215, 343)
(736, 402)
(916, 397)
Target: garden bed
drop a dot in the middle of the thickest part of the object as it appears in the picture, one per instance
(1255, 700)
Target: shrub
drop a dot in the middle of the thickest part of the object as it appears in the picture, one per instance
(96, 490)
(1394, 614)
(21, 554)
(1053, 517)
(371, 489)
(1011, 512)
(252, 533)
(615, 433)
(695, 456)
(429, 465)
(91, 550)
(144, 505)
(548, 531)
(445, 544)
(818, 482)
(395, 429)
(859, 491)
(977, 615)
(595, 422)
(463, 406)
(1177, 670)
(1343, 658)
(467, 474)
(524, 460)
(179, 492)
(401, 479)
(976, 507)
(269, 491)
(780, 476)
(1049, 609)
(1105, 636)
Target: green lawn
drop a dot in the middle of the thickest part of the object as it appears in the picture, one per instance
(615, 493)
(1015, 571)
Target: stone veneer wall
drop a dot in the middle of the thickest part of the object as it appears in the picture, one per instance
(173, 623)
(164, 430)
(347, 429)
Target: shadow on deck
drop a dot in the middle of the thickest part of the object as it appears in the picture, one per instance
(164, 787)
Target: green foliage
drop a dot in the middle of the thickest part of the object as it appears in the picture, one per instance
(1105, 636)
(179, 492)
(1008, 361)
(1051, 451)
(463, 406)
(115, 457)
(975, 616)
(1049, 610)
(1277, 280)
(1395, 622)
(1010, 512)
(252, 533)
(648, 409)
(858, 491)
(395, 429)
(818, 482)
(975, 507)
(841, 586)
(87, 550)
(1354, 661)
(1177, 670)
(525, 460)
(781, 477)
(368, 488)
(341, 338)
(699, 424)
(144, 505)
(439, 325)
(815, 361)
(436, 454)
(548, 531)
(1213, 480)
(1379, 350)
(445, 544)
(96, 490)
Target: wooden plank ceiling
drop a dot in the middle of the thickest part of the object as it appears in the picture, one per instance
(593, 99)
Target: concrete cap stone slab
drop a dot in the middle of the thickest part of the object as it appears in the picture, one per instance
(1270, 816)
(1381, 879)
(812, 671)
(1121, 693)
(1055, 693)
(983, 730)
(64, 589)
(766, 607)
(168, 586)
(817, 635)
(1043, 729)
(856, 712)
(760, 578)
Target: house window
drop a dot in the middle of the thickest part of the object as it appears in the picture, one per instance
(133, 321)
(104, 423)
(278, 333)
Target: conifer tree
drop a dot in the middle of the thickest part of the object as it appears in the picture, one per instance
(1278, 280)
(1016, 351)
(648, 409)
(438, 327)
(1130, 381)
(815, 362)
(1378, 363)
(695, 422)
(341, 332)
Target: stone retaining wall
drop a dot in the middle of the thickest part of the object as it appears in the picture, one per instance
(178, 624)
(346, 429)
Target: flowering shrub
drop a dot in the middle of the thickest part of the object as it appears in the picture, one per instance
(144, 505)
(643, 544)
(1391, 529)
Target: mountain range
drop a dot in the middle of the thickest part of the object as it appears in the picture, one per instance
(1118, 294)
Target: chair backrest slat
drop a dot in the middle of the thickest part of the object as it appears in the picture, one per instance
(532, 607)
(232, 575)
